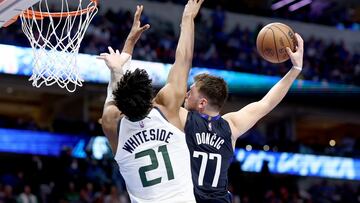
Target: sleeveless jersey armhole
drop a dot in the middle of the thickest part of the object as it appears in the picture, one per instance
(161, 113)
(118, 126)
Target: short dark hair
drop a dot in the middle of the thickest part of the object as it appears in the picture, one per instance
(213, 88)
(133, 94)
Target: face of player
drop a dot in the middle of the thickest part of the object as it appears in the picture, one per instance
(194, 101)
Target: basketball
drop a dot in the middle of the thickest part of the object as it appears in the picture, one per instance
(272, 41)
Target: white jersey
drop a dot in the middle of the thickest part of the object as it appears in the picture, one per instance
(154, 160)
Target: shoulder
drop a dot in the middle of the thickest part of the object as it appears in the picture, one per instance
(224, 120)
(171, 116)
(234, 130)
(226, 125)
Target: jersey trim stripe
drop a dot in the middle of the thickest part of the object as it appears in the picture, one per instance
(161, 113)
(118, 126)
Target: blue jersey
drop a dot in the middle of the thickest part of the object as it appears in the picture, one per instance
(211, 152)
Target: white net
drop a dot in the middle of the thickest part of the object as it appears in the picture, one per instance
(55, 37)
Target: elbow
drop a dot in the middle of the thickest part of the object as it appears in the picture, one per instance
(105, 122)
(180, 92)
(266, 107)
(184, 55)
(109, 117)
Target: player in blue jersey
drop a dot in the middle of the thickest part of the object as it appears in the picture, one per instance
(211, 138)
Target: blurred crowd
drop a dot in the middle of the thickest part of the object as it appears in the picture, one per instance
(276, 139)
(235, 50)
(264, 187)
(90, 128)
(333, 13)
(33, 179)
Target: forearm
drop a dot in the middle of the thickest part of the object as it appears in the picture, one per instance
(111, 86)
(125, 59)
(129, 44)
(185, 48)
(184, 54)
(116, 75)
(280, 89)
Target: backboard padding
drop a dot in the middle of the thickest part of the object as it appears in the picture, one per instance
(12, 8)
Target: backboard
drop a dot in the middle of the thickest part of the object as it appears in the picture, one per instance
(10, 9)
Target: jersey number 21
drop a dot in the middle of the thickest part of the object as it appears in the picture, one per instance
(154, 165)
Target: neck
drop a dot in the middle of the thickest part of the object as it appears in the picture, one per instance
(209, 112)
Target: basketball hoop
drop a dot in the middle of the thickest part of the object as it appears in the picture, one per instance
(55, 37)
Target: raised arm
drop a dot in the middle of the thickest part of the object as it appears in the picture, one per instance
(242, 120)
(172, 95)
(117, 62)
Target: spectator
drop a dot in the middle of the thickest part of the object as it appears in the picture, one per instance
(27, 196)
(7, 195)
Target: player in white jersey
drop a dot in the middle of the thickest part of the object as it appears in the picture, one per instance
(145, 132)
(157, 152)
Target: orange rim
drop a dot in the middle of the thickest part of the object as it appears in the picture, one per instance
(41, 15)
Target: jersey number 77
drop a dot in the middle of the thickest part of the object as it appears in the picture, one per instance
(204, 159)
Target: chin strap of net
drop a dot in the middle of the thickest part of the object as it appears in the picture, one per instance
(55, 39)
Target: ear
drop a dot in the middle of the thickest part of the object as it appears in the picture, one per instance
(203, 103)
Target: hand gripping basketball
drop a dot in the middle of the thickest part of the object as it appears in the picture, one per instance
(297, 56)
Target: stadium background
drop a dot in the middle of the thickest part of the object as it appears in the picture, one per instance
(306, 150)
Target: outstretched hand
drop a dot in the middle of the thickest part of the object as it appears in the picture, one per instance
(192, 8)
(297, 56)
(137, 29)
(113, 60)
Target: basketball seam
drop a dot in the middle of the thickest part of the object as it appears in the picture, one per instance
(285, 36)
(277, 55)
(262, 44)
